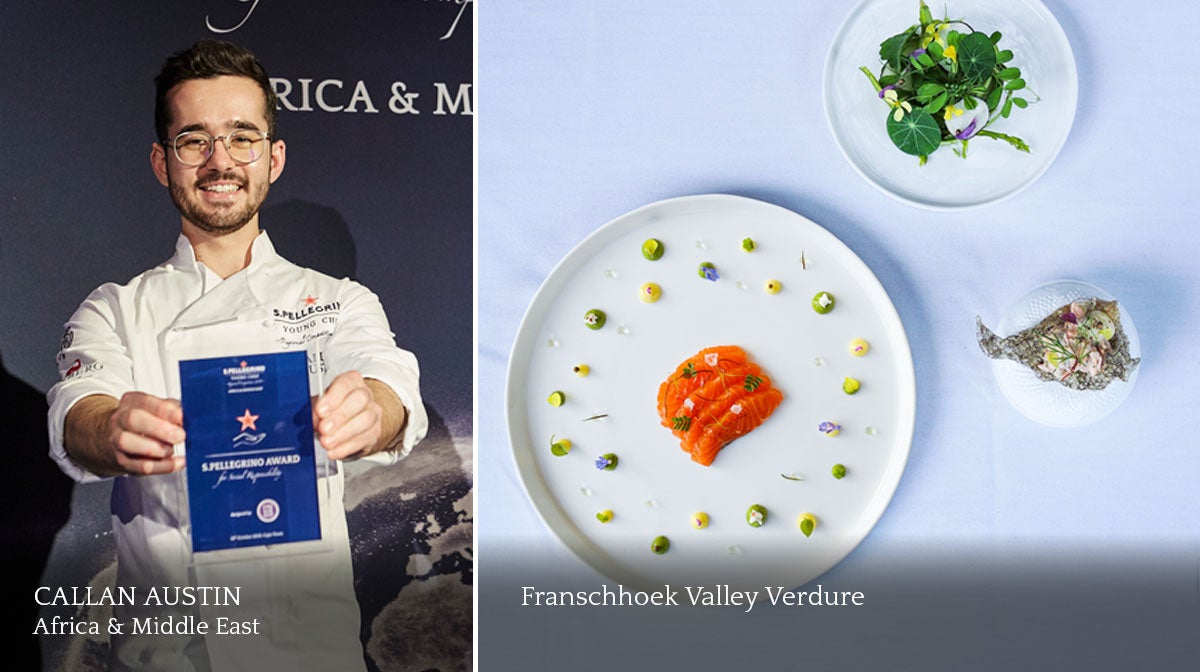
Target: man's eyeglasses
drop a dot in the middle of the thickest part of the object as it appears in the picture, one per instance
(193, 148)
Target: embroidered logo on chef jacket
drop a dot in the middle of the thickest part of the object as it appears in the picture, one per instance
(309, 320)
(68, 338)
(78, 368)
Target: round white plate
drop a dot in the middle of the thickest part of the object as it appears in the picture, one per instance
(1049, 403)
(656, 487)
(993, 170)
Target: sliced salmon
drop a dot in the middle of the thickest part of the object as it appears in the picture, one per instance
(714, 397)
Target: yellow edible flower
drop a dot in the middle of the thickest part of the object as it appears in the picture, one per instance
(950, 52)
(933, 32)
(953, 111)
(890, 97)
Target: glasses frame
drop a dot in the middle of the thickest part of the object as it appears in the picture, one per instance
(173, 143)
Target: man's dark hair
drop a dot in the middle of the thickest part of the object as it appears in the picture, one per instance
(204, 60)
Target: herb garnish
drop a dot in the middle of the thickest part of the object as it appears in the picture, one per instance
(946, 85)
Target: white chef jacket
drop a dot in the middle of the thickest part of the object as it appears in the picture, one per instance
(127, 338)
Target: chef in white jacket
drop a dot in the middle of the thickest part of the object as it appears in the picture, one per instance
(112, 415)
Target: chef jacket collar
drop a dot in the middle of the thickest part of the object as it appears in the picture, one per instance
(262, 252)
(238, 297)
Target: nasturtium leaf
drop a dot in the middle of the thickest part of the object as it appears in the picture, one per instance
(916, 133)
(1008, 73)
(1015, 85)
(892, 49)
(1021, 103)
(976, 56)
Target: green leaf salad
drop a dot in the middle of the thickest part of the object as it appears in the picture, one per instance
(946, 83)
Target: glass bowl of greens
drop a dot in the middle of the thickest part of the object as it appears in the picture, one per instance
(950, 106)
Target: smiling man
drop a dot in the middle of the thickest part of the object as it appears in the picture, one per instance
(112, 415)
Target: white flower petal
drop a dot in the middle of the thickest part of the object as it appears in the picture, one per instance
(979, 115)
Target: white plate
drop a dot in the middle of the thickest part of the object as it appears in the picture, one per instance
(1049, 403)
(993, 170)
(656, 487)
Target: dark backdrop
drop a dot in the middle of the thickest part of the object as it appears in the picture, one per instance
(377, 187)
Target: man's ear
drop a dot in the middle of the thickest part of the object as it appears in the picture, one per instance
(158, 162)
(278, 158)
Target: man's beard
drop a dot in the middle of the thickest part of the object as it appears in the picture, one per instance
(220, 221)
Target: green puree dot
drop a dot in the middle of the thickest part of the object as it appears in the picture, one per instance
(823, 302)
(652, 249)
(594, 318)
(756, 515)
(660, 545)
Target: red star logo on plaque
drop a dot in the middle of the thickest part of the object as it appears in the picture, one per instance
(309, 300)
(248, 421)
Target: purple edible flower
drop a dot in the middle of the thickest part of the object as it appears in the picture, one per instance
(917, 52)
(710, 273)
(1070, 317)
(885, 89)
(602, 463)
(967, 132)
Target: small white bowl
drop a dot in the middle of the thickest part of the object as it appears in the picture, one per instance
(1047, 402)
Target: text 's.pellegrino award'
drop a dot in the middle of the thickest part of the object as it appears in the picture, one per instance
(251, 476)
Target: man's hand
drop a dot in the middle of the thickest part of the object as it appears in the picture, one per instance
(133, 435)
(357, 416)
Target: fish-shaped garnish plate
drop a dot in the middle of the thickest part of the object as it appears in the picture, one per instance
(1080, 345)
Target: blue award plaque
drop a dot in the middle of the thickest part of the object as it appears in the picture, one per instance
(251, 473)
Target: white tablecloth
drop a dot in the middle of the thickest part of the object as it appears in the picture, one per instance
(588, 110)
